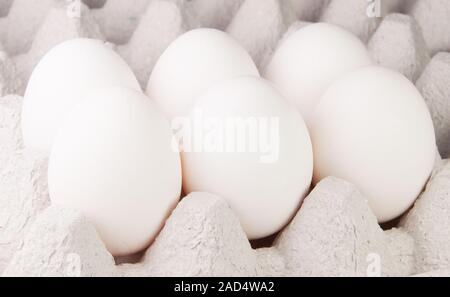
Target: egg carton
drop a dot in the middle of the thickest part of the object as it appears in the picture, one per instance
(333, 234)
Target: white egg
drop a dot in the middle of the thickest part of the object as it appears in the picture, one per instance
(191, 64)
(243, 141)
(373, 128)
(61, 79)
(311, 59)
(113, 160)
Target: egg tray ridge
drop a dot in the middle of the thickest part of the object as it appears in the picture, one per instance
(333, 234)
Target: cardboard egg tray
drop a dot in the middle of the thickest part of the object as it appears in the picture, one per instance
(333, 234)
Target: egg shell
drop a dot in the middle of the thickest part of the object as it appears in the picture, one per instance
(191, 64)
(372, 128)
(113, 160)
(310, 59)
(263, 186)
(61, 79)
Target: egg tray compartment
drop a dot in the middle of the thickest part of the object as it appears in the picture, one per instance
(333, 234)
